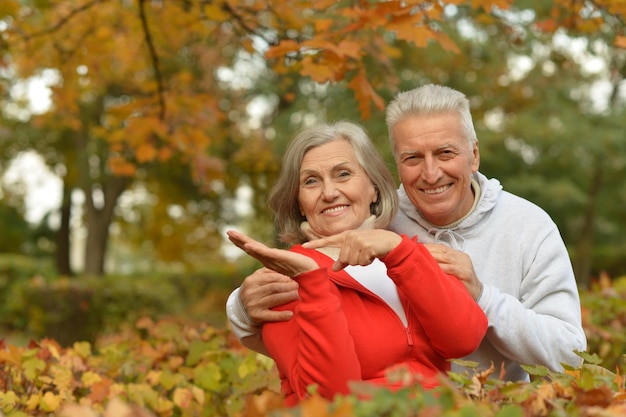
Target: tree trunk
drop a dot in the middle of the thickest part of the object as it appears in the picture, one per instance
(62, 253)
(98, 222)
(584, 248)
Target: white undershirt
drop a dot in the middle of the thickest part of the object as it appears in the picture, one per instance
(374, 277)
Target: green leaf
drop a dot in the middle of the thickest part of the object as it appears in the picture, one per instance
(33, 367)
(208, 376)
(536, 370)
(590, 358)
(510, 411)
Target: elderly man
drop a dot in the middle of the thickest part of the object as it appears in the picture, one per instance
(507, 251)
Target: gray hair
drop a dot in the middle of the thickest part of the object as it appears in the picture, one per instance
(430, 99)
(283, 198)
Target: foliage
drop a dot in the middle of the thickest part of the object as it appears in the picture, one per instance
(171, 368)
(183, 367)
(604, 320)
(168, 368)
(78, 309)
(131, 95)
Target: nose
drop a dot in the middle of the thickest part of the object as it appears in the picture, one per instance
(431, 171)
(329, 191)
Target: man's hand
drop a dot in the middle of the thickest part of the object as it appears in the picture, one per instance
(265, 289)
(459, 264)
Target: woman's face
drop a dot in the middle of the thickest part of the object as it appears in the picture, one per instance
(335, 192)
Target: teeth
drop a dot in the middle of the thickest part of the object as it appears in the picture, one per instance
(437, 190)
(333, 209)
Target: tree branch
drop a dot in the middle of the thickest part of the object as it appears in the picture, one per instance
(154, 58)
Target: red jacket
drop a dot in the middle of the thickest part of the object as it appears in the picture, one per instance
(343, 332)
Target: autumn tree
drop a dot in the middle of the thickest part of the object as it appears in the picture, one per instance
(145, 83)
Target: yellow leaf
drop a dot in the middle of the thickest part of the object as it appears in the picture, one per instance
(50, 401)
(153, 377)
(198, 394)
(8, 400)
(182, 397)
(83, 349)
(33, 401)
(89, 378)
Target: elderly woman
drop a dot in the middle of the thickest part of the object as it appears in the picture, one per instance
(370, 299)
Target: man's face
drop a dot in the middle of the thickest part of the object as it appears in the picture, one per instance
(435, 164)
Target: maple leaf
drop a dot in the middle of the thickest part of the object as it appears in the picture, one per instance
(50, 401)
(365, 94)
(350, 49)
(99, 391)
(283, 48)
(320, 73)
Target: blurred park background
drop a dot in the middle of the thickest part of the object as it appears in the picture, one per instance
(133, 133)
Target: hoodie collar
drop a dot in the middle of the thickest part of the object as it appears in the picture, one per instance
(488, 191)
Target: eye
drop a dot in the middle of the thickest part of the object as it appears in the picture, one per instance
(344, 173)
(447, 154)
(411, 160)
(309, 181)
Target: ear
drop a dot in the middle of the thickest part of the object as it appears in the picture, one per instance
(376, 194)
(475, 158)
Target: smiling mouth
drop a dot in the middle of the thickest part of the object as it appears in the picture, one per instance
(334, 209)
(437, 190)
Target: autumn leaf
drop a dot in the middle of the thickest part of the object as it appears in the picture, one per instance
(283, 48)
(99, 391)
(75, 410)
(120, 166)
(320, 73)
(50, 401)
(365, 94)
(182, 397)
(145, 153)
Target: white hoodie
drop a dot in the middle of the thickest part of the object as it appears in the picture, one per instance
(530, 295)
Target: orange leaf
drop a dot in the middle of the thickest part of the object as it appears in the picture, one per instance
(100, 390)
(282, 49)
(365, 94)
(446, 42)
(145, 153)
(317, 72)
(350, 49)
(120, 166)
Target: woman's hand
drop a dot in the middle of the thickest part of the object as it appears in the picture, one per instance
(286, 262)
(358, 247)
